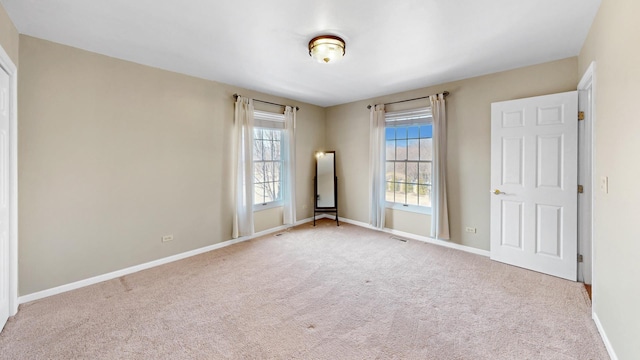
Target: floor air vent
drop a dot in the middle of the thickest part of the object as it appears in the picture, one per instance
(399, 238)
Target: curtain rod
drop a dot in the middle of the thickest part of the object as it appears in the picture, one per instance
(446, 93)
(235, 96)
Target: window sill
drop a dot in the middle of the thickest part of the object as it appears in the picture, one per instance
(409, 208)
(267, 206)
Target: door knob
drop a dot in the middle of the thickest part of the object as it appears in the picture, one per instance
(497, 192)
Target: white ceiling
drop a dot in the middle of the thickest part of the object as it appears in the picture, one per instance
(392, 46)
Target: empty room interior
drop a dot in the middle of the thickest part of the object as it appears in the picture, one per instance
(319, 179)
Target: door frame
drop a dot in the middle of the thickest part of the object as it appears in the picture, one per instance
(7, 65)
(586, 225)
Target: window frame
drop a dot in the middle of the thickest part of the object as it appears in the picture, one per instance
(267, 121)
(406, 118)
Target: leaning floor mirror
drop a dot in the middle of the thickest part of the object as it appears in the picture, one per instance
(325, 185)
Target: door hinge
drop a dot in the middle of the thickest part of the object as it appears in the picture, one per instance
(580, 258)
(580, 115)
(580, 189)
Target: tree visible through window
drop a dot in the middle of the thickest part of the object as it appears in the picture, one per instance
(408, 160)
(267, 165)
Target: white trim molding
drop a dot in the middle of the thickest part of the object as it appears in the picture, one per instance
(133, 269)
(585, 176)
(7, 64)
(411, 236)
(605, 339)
(588, 76)
(433, 241)
(588, 81)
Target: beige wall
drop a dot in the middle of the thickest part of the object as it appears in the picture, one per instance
(113, 155)
(613, 43)
(308, 142)
(9, 38)
(267, 219)
(410, 222)
(468, 113)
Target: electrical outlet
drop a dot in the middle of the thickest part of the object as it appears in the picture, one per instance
(604, 184)
(167, 238)
(470, 230)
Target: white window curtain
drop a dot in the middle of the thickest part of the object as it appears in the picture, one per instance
(243, 168)
(289, 168)
(376, 168)
(440, 214)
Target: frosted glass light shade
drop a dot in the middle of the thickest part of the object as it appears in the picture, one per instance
(326, 48)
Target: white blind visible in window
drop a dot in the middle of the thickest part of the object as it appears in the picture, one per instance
(268, 120)
(409, 117)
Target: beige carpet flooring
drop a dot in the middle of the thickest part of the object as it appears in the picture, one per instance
(314, 293)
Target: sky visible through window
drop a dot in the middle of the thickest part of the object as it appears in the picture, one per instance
(412, 132)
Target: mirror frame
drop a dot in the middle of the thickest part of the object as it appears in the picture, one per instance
(333, 209)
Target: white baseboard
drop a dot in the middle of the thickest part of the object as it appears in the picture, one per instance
(407, 235)
(304, 221)
(603, 335)
(352, 222)
(444, 243)
(133, 269)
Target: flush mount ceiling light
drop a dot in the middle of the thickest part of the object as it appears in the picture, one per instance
(326, 48)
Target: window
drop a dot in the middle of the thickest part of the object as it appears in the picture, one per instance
(408, 159)
(267, 159)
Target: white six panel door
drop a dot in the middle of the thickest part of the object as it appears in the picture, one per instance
(4, 197)
(534, 174)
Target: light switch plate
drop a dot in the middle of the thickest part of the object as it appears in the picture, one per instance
(604, 184)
